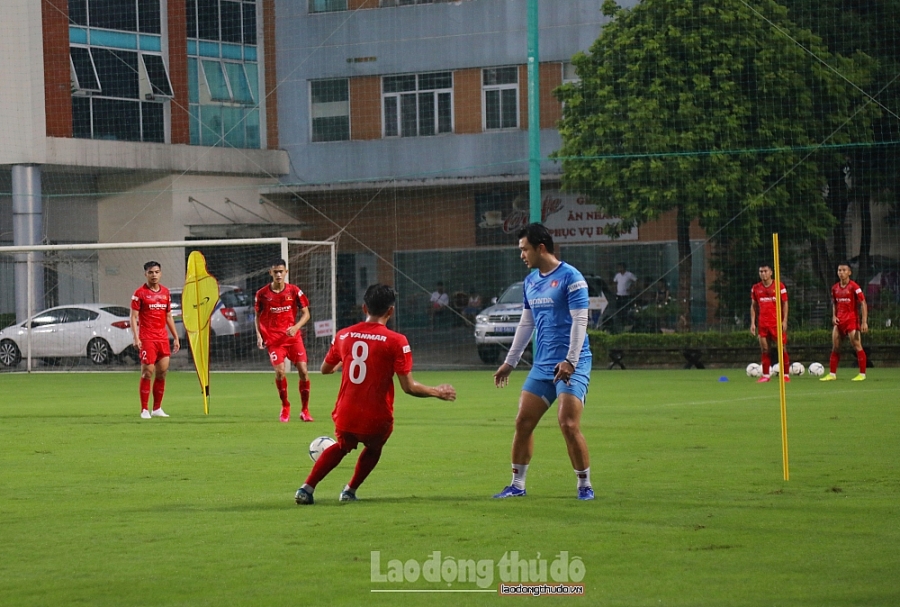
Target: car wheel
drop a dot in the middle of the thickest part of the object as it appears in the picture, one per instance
(9, 353)
(488, 354)
(99, 352)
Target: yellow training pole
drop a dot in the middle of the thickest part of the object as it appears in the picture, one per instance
(782, 372)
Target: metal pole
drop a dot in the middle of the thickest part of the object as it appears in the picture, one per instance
(534, 115)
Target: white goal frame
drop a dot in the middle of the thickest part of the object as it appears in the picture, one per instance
(29, 252)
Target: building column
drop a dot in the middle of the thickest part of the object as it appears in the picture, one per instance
(27, 218)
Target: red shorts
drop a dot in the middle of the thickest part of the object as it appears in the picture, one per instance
(154, 351)
(847, 325)
(292, 350)
(771, 333)
(348, 441)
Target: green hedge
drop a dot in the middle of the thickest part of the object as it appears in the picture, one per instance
(806, 343)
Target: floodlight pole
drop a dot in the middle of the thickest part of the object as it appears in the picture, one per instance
(534, 115)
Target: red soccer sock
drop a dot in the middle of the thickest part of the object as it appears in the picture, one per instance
(835, 359)
(327, 462)
(367, 461)
(766, 363)
(861, 357)
(145, 392)
(159, 388)
(786, 368)
(281, 384)
(304, 394)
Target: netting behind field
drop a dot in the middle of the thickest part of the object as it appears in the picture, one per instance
(73, 304)
(675, 137)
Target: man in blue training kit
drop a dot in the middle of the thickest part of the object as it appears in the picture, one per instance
(556, 311)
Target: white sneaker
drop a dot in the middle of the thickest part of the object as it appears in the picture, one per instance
(159, 413)
(145, 414)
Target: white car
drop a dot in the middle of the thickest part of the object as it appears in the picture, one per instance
(496, 325)
(99, 331)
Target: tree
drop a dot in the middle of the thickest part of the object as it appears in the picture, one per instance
(870, 174)
(719, 111)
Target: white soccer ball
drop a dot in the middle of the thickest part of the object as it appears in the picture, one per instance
(797, 369)
(754, 370)
(774, 369)
(816, 369)
(318, 446)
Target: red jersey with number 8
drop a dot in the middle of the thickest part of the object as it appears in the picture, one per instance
(371, 354)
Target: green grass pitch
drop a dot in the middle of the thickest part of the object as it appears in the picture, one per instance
(99, 507)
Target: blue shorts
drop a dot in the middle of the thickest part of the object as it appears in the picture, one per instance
(549, 390)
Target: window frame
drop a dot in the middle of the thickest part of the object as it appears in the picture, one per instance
(312, 118)
(416, 94)
(499, 88)
(310, 6)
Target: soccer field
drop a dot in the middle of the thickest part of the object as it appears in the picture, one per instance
(100, 507)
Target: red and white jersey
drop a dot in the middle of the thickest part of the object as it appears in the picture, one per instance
(278, 311)
(765, 298)
(371, 355)
(153, 307)
(846, 300)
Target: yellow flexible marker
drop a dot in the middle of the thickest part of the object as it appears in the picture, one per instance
(782, 371)
(198, 301)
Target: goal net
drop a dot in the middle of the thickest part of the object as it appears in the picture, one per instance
(67, 307)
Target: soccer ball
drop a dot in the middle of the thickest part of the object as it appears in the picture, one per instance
(797, 369)
(774, 369)
(319, 445)
(817, 369)
(754, 370)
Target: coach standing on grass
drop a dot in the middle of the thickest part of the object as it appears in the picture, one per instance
(556, 310)
(151, 315)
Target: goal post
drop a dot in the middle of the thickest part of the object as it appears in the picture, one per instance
(77, 298)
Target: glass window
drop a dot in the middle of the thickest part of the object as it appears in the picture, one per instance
(114, 14)
(193, 81)
(208, 19)
(156, 73)
(569, 74)
(148, 16)
(408, 113)
(78, 12)
(252, 71)
(81, 117)
(330, 101)
(210, 125)
(84, 71)
(240, 88)
(215, 80)
(117, 71)
(116, 119)
(249, 23)
(120, 311)
(252, 126)
(323, 6)
(191, 6)
(49, 318)
(80, 315)
(231, 21)
(501, 98)
(233, 126)
(152, 122)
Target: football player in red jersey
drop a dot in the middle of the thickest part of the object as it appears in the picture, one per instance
(151, 315)
(850, 317)
(762, 306)
(370, 354)
(278, 330)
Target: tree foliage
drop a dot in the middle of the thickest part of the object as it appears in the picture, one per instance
(727, 113)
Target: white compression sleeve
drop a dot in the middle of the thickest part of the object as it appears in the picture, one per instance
(523, 335)
(577, 335)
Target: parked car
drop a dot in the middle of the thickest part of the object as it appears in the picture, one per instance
(99, 331)
(496, 325)
(231, 326)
